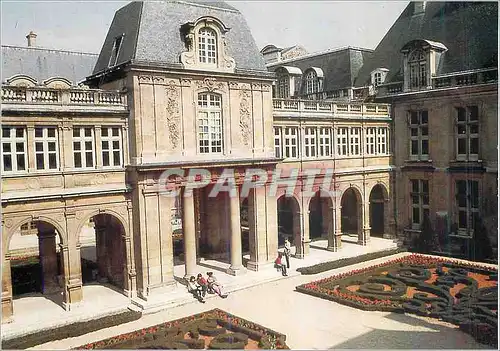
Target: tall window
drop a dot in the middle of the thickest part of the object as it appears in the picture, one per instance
(417, 63)
(291, 142)
(310, 142)
(370, 140)
(325, 141)
(46, 150)
(312, 83)
(111, 143)
(419, 135)
(209, 123)
(419, 201)
(354, 141)
(14, 156)
(207, 46)
(115, 51)
(83, 147)
(467, 133)
(467, 192)
(283, 86)
(277, 142)
(378, 78)
(382, 141)
(342, 141)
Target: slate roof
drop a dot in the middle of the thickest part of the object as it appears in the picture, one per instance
(340, 66)
(42, 64)
(468, 29)
(152, 33)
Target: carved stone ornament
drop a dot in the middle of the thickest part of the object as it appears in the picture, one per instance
(173, 115)
(234, 85)
(145, 79)
(210, 84)
(245, 118)
(99, 179)
(189, 58)
(266, 87)
(33, 183)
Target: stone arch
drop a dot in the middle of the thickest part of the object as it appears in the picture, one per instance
(289, 221)
(320, 214)
(27, 219)
(352, 211)
(89, 215)
(378, 209)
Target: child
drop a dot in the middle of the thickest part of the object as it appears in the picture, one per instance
(281, 265)
(202, 283)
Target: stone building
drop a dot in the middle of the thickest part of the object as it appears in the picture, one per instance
(437, 68)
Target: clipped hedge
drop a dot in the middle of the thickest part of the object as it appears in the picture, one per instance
(343, 262)
(70, 331)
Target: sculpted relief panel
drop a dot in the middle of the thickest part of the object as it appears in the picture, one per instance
(173, 114)
(245, 116)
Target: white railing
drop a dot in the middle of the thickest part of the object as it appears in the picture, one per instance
(62, 96)
(341, 109)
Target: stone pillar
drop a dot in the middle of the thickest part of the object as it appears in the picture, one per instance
(73, 293)
(189, 231)
(389, 223)
(335, 232)
(298, 221)
(234, 217)
(7, 306)
(48, 261)
(101, 254)
(364, 231)
(271, 222)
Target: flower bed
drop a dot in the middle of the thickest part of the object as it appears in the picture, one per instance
(461, 293)
(214, 329)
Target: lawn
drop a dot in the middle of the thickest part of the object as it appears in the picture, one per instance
(464, 294)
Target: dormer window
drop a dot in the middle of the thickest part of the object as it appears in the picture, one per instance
(312, 84)
(283, 85)
(115, 51)
(207, 46)
(378, 76)
(417, 63)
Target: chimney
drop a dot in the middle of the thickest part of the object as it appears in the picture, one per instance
(31, 39)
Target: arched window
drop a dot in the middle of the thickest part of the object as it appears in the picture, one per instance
(283, 85)
(312, 83)
(207, 46)
(209, 123)
(418, 69)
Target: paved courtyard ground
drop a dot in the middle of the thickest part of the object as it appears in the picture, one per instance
(308, 322)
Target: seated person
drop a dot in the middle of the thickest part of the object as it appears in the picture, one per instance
(203, 283)
(214, 285)
(195, 289)
(279, 264)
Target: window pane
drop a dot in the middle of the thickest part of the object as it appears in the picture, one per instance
(88, 159)
(116, 144)
(414, 117)
(474, 128)
(425, 199)
(39, 161)
(473, 113)
(415, 199)
(51, 132)
(38, 132)
(116, 132)
(425, 147)
(88, 132)
(425, 130)
(20, 147)
(462, 129)
(39, 147)
(105, 158)
(105, 145)
(6, 147)
(19, 132)
(7, 163)
(116, 158)
(76, 132)
(88, 145)
(462, 146)
(78, 160)
(5, 132)
(424, 117)
(104, 132)
(52, 146)
(414, 186)
(461, 114)
(416, 215)
(474, 146)
(20, 163)
(76, 146)
(462, 219)
(425, 186)
(414, 147)
(52, 161)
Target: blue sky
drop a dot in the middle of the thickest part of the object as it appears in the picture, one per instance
(316, 25)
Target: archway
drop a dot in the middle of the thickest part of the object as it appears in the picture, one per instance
(351, 212)
(288, 221)
(377, 210)
(103, 259)
(320, 216)
(34, 263)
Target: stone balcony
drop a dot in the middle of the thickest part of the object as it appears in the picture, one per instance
(18, 98)
(328, 109)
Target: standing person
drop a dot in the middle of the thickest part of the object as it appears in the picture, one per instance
(203, 283)
(288, 249)
(195, 289)
(279, 264)
(214, 285)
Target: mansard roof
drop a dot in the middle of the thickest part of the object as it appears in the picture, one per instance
(339, 66)
(468, 30)
(42, 64)
(152, 33)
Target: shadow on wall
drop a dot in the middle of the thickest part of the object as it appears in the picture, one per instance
(426, 336)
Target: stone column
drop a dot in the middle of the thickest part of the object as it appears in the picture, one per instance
(7, 306)
(48, 261)
(189, 232)
(236, 254)
(334, 232)
(73, 292)
(364, 231)
(298, 221)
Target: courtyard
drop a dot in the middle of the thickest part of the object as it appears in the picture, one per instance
(307, 321)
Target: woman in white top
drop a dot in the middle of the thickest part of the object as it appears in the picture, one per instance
(195, 289)
(214, 285)
(287, 251)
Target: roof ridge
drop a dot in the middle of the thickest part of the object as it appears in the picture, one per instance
(47, 49)
(201, 4)
(317, 53)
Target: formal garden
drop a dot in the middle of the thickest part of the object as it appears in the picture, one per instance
(464, 294)
(214, 329)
